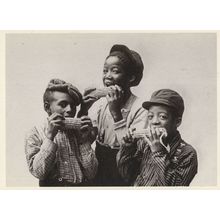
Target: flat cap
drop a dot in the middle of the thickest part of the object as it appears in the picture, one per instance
(168, 98)
(62, 86)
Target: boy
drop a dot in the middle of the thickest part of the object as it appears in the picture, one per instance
(156, 161)
(58, 156)
(123, 68)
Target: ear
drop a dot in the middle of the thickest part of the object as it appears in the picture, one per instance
(132, 78)
(47, 108)
(178, 121)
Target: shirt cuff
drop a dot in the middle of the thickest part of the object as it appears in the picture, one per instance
(85, 148)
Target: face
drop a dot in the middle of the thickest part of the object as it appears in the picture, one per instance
(161, 116)
(114, 73)
(61, 103)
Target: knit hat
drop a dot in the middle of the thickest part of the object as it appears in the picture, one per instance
(137, 65)
(62, 86)
(168, 98)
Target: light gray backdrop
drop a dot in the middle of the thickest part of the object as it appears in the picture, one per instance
(185, 62)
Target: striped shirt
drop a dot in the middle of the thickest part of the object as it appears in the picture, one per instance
(66, 158)
(141, 167)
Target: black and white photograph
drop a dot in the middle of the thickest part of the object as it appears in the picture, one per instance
(111, 109)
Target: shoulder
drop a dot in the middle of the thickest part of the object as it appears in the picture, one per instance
(137, 105)
(37, 132)
(187, 151)
(98, 105)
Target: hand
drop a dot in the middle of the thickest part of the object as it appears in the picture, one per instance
(115, 98)
(129, 139)
(87, 102)
(86, 127)
(153, 139)
(55, 123)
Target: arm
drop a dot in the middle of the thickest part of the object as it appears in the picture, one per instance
(166, 173)
(40, 154)
(136, 118)
(86, 154)
(88, 160)
(129, 158)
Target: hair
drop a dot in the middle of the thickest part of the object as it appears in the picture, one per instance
(47, 96)
(62, 86)
(125, 60)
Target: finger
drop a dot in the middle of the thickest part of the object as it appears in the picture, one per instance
(110, 93)
(158, 132)
(153, 132)
(127, 138)
(148, 141)
(85, 128)
(119, 91)
(57, 123)
(55, 116)
(85, 117)
(116, 92)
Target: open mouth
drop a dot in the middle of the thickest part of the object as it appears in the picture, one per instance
(108, 83)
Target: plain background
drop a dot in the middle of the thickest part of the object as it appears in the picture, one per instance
(98, 15)
(185, 62)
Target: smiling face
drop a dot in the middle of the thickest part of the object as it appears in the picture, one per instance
(114, 73)
(61, 103)
(162, 116)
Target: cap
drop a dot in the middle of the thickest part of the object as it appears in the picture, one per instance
(168, 98)
(62, 86)
(135, 59)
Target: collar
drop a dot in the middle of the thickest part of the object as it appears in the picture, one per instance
(174, 143)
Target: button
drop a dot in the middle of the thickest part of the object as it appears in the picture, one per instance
(175, 159)
(178, 150)
(60, 179)
(65, 162)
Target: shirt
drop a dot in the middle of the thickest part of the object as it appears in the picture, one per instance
(138, 165)
(66, 158)
(110, 132)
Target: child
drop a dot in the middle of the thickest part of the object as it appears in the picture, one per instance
(123, 68)
(156, 161)
(58, 156)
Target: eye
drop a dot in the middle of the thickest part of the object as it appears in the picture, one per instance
(115, 70)
(63, 104)
(150, 117)
(163, 117)
(105, 71)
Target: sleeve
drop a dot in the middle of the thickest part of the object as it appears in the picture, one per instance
(128, 161)
(88, 160)
(163, 171)
(40, 154)
(136, 118)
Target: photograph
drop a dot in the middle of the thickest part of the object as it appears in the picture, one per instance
(111, 109)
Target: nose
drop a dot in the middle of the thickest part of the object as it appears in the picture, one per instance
(155, 121)
(108, 74)
(68, 109)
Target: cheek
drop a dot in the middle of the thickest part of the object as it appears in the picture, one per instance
(56, 108)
